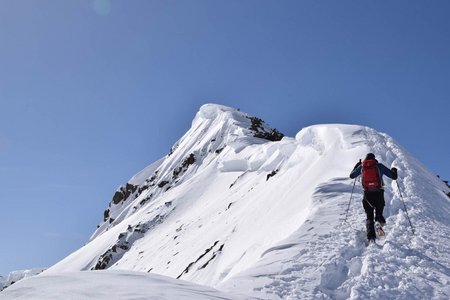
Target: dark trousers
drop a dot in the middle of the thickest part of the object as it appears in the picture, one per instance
(373, 202)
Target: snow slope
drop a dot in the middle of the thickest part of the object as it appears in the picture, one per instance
(16, 276)
(237, 206)
(107, 285)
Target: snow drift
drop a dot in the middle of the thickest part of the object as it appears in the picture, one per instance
(16, 276)
(107, 285)
(237, 206)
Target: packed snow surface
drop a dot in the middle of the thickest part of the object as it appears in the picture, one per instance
(107, 285)
(237, 208)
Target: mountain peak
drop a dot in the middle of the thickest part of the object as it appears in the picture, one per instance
(237, 121)
(214, 129)
(212, 111)
(230, 208)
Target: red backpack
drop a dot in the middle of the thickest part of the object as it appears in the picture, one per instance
(371, 179)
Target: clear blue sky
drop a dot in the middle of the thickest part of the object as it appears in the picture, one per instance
(93, 91)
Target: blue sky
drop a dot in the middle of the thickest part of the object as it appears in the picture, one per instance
(93, 91)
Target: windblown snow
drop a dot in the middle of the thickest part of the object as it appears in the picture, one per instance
(16, 276)
(236, 206)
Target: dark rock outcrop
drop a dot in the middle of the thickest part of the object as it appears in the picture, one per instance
(124, 242)
(123, 193)
(184, 166)
(271, 174)
(259, 131)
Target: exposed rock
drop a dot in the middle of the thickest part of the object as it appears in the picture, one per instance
(271, 174)
(213, 256)
(446, 183)
(142, 188)
(145, 200)
(151, 180)
(186, 270)
(118, 197)
(172, 150)
(123, 193)
(259, 131)
(162, 183)
(105, 215)
(184, 166)
(124, 242)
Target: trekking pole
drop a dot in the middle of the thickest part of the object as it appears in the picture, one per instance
(404, 205)
(348, 207)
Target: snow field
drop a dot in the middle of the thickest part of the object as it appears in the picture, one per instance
(107, 285)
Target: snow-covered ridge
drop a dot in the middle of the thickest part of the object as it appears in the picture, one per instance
(16, 276)
(237, 206)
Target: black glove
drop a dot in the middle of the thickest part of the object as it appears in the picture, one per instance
(394, 170)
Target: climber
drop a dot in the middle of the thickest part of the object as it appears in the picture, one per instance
(372, 172)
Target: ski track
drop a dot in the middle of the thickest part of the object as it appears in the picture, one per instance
(348, 268)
